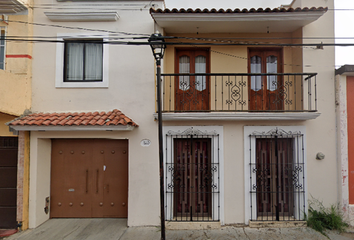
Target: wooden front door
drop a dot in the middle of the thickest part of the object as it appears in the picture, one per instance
(265, 92)
(192, 92)
(89, 178)
(8, 181)
(275, 190)
(192, 178)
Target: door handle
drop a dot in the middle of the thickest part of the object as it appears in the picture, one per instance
(87, 181)
(97, 181)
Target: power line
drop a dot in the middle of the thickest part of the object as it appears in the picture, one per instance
(76, 28)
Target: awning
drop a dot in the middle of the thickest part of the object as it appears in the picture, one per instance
(84, 121)
(235, 21)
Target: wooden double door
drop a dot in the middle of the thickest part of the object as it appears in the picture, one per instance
(266, 92)
(192, 92)
(192, 178)
(89, 178)
(275, 178)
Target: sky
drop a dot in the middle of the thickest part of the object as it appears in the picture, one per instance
(344, 20)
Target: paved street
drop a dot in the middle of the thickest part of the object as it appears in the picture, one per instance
(90, 229)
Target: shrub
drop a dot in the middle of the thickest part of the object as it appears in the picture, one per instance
(320, 218)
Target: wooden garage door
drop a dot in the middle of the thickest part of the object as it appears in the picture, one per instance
(89, 178)
(8, 181)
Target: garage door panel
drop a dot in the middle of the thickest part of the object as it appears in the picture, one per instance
(8, 217)
(8, 197)
(8, 177)
(116, 180)
(8, 157)
(8, 181)
(84, 171)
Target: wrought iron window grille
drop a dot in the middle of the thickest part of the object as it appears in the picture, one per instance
(277, 178)
(192, 176)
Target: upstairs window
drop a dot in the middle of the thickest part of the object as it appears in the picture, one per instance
(2, 48)
(83, 61)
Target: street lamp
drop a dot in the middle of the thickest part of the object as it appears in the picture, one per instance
(157, 44)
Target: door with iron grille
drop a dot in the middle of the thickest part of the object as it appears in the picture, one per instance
(192, 178)
(274, 164)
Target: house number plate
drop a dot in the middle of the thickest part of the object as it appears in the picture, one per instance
(145, 142)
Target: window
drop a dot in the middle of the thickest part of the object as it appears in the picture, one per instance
(2, 48)
(83, 61)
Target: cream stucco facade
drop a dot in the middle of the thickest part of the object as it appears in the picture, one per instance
(129, 86)
(319, 134)
(129, 73)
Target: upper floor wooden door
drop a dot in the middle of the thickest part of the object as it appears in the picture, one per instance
(192, 92)
(265, 92)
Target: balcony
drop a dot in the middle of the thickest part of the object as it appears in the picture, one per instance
(239, 96)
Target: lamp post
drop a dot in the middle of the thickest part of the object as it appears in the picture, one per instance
(157, 44)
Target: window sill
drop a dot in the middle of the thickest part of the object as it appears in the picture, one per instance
(81, 85)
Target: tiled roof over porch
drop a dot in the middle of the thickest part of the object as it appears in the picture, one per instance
(111, 118)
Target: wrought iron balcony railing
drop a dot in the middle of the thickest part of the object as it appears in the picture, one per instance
(239, 92)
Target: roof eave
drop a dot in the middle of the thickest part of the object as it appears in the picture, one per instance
(282, 21)
(71, 128)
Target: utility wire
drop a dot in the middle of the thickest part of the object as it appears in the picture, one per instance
(76, 28)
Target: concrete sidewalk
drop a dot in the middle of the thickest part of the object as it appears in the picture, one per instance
(92, 229)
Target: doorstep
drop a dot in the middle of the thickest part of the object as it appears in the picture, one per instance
(7, 232)
(192, 225)
(277, 224)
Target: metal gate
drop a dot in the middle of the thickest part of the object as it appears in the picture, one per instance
(192, 176)
(8, 181)
(277, 176)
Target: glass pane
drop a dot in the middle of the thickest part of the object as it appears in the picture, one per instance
(256, 67)
(272, 67)
(93, 61)
(200, 67)
(184, 67)
(74, 61)
(2, 37)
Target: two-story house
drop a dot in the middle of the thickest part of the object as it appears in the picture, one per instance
(15, 99)
(93, 137)
(248, 112)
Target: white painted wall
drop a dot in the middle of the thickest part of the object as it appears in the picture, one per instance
(131, 89)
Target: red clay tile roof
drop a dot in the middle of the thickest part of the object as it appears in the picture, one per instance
(237, 10)
(114, 117)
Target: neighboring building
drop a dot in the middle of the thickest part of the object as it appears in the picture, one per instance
(246, 115)
(345, 131)
(15, 99)
(243, 123)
